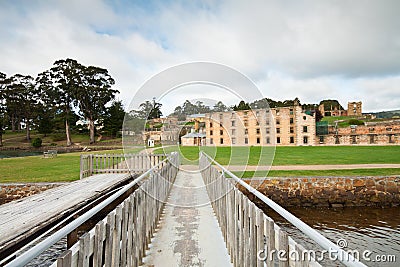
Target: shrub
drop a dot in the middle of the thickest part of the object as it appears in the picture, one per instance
(355, 122)
(37, 142)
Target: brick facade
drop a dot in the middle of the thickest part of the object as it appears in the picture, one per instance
(287, 126)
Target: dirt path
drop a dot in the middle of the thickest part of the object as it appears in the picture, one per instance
(312, 167)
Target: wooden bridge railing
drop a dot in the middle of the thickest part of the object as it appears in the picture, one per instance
(122, 238)
(117, 163)
(250, 235)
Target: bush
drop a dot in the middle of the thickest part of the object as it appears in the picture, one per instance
(355, 122)
(37, 142)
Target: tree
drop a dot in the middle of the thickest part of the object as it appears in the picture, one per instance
(59, 86)
(114, 118)
(318, 115)
(242, 106)
(201, 108)
(189, 108)
(94, 94)
(134, 122)
(178, 111)
(2, 105)
(150, 110)
(45, 120)
(21, 90)
(219, 107)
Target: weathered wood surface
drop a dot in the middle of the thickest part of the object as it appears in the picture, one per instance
(117, 163)
(26, 216)
(254, 234)
(122, 237)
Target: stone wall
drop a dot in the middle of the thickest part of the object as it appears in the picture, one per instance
(10, 192)
(332, 191)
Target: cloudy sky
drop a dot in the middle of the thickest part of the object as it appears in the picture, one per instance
(314, 50)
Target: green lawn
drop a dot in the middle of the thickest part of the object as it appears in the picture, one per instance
(17, 139)
(65, 167)
(336, 173)
(224, 155)
(292, 155)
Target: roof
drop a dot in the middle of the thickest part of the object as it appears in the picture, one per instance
(192, 135)
(197, 115)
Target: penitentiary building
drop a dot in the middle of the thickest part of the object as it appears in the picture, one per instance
(286, 126)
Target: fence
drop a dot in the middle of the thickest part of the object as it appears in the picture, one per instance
(117, 163)
(123, 236)
(251, 236)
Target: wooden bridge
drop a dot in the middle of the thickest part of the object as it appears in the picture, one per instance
(145, 210)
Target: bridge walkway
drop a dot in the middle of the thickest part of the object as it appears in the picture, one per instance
(188, 233)
(23, 218)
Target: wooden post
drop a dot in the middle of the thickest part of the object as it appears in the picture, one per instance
(72, 237)
(81, 167)
(284, 246)
(270, 233)
(90, 164)
(84, 247)
(109, 239)
(98, 244)
(260, 236)
(65, 259)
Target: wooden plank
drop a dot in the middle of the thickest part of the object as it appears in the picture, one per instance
(98, 244)
(124, 233)
(65, 259)
(260, 235)
(110, 225)
(135, 249)
(116, 249)
(304, 260)
(31, 213)
(270, 232)
(284, 246)
(250, 245)
(237, 231)
(130, 240)
(83, 257)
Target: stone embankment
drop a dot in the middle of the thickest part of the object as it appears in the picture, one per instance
(330, 191)
(10, 192)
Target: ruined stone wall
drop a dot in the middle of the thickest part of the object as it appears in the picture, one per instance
(362, 139)
(10, 192)
(354, 108)
(332, 191)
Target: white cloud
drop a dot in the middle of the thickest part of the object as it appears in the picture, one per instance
(348, 50)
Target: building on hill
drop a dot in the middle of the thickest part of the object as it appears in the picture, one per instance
(332, 111)
(332, 108)
(162, 130)
(354, 108)
(286, 126)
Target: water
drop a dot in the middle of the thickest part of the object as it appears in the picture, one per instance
(363, 228)
(18, 153)
(50, 255)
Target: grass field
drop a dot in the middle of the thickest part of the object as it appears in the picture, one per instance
(335, 173)
(64, 167)
(17, 139)
(292, 155)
